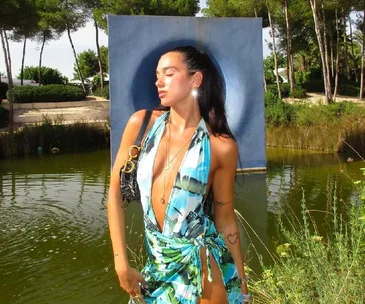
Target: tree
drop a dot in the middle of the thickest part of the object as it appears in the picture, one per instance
(89, 63)
(147, 7)
(75, 17)
(93, 9)
(49, 75)
(325, 70)
(50, 26)
(13, 17)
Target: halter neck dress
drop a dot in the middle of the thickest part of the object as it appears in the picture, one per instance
(173, 270)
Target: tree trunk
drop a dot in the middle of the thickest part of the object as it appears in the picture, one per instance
(348, 70)
(274, 50)
(76, 60)
(40, 59)
(352, 51)
(313, 4)
(332, 60)
(325, 43)
(23, 58)
(289, 49)
(337, 54)
(6, 50)
(362, 59)
(98, 51)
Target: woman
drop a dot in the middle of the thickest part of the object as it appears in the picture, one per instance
(186, 169)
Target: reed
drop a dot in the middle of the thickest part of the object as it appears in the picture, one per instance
(55, 135)
(310, 267)
(318, 127)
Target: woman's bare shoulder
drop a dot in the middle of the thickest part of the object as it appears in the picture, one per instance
(224, 148)
(137, 118)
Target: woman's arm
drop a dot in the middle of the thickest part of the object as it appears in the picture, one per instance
(223, 195)
(128, 277)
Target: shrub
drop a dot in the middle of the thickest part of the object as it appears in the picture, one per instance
(310, 80)
(314, 268)
(4, 117)
(348, 90)
(102, 92)
(3, 89)
(270, 98)
(284, 89)
(279, 114)
(298, 92)
(48, 93)
(48, 75)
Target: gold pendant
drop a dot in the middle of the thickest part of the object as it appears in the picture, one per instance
(162, 200)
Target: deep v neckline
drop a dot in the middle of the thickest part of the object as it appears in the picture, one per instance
(168, 202)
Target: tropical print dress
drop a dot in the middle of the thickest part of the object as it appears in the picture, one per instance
(173, 271)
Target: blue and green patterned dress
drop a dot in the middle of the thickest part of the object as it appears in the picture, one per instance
(173, 270)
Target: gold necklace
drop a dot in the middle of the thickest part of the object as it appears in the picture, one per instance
(168, 163)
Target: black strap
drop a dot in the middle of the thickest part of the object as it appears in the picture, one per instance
(146, 120)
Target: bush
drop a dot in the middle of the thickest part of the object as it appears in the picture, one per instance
(279, 114)
(48, 93)
(284, 89)
(298, 92)
(348, 90)
(270, 98)
(48, 75)
(102, 92)
(310, 80)
(3, 89)
(4, 117)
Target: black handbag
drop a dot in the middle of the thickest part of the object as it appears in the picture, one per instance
(128, 172)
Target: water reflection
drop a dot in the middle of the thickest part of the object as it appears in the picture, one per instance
(54, 242)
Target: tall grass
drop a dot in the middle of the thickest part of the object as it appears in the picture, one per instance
(317, 127)
(54, 133)
(310, 267)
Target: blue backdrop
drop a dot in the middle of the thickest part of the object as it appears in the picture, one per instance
(235, 44)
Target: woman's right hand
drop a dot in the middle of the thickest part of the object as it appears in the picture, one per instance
(130, 280)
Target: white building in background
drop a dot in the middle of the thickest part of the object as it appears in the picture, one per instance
(16, 82)
(283, 74)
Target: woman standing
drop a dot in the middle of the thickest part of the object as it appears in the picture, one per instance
(186, 172)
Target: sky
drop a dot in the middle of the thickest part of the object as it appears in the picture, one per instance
(58, 54)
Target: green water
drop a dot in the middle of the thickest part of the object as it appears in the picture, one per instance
(54, 243)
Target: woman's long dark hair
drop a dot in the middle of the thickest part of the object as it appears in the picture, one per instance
(211, 97)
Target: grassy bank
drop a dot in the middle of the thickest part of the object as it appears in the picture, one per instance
(53, 136)
(316, 127)
(310, 267)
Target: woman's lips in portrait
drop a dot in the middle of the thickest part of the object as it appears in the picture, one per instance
(162, 94)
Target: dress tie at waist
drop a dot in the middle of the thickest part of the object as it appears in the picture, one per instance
(172, 254)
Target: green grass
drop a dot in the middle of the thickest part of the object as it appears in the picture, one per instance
(310, 267)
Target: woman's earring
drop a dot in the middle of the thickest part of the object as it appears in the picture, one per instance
(194, 92)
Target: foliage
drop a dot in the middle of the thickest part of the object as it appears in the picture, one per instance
(54, 133)
(102, 92)
(348, 90)
(315, 268)
(278, 112)
(148, 7)
(48, 93)
(269, 67)
(48, 75)
(298, 92)
(4, 117)
(3, 89)
(284, 89)
(88, 62)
